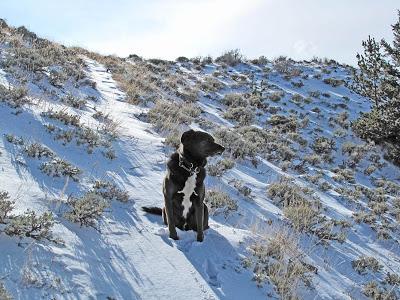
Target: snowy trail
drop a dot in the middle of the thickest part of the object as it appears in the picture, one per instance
(142, 249)
(150, 265)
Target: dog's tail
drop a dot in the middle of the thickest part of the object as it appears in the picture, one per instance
(152, 210)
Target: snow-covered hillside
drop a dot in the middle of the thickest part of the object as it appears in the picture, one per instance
(301, 206)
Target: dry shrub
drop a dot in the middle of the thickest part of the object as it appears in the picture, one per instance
(280, 260)
(220, 202)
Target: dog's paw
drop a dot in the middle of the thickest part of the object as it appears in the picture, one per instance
(174, 237)
(200, 237)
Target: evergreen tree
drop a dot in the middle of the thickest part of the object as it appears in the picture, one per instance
(368, 79)
(379, 79)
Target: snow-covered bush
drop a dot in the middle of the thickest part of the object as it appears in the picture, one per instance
(366, 263)
(73, 101)
(87, 209)
(63, 116)
(58, 167)
(89, 137)
(57, 78)
(220, 202)
(297, 84)
(6, 206)
(37, 150)
(31, 225)
(376, 291)
(110, 191)
(14, 139)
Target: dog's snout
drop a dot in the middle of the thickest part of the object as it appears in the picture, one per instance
(221, 149)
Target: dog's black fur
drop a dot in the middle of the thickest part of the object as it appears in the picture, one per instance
(189, 159)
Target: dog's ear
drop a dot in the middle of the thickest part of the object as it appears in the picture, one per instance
(186, 134)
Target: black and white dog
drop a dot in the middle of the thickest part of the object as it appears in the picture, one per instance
(183, 186)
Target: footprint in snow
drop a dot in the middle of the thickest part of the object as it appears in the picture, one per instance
(211, 273)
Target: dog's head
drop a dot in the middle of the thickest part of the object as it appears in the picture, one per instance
(200, 144)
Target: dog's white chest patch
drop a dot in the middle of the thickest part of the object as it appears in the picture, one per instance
(187, 191)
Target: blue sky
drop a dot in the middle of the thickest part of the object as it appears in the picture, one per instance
(172, 28)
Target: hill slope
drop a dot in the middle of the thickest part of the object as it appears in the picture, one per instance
(299, 203)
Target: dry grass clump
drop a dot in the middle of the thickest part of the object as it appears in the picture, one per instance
(63, 116)
(377, 291)
(243, 115)
(4, 295)
(333, 82)
(235, 144)
(283, 123)
(14, 97)
(302, 212)
(219, 202)
(73, 101)
(342, 175)
(230, 58)
(342, 119)
(138, 80)
(234, 100)
(276, 96)
(189, 94)
(241, 188)
(323, 146)
(211, 84)
(279, 260)
(220, 167)
(29, 53)
(168, 116)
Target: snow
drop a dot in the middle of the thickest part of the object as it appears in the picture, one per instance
(130, 256)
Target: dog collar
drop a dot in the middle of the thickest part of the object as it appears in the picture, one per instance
(191, 168)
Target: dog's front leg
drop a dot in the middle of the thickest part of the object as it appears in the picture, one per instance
(169, 192)
(200, 215)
